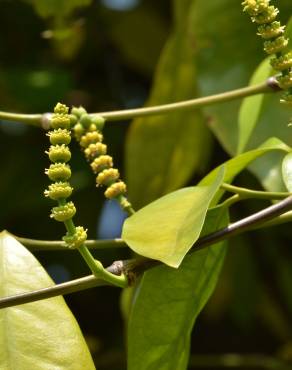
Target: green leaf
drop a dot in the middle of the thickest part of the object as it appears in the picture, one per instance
(41, 335)
(251, 106)
(166, 150)
(49, 8)
(166, 229)
(287, 171)
(168, 302)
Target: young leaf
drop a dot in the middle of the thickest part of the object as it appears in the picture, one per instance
(287, 171)
(40, 335)
(166, 229)
(251, 107)
(168, 302)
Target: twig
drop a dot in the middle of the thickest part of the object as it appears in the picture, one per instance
(38, 120)
(133, 268)
(269, 86)
(57, 245)
(245, 193)
(230, 201)
(246, 223)
(43, 120)
(282, 219)
(71, 286)
(53, 245)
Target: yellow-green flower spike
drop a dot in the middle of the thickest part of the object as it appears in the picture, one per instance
(60, 172)
(87, 132)
(264, 14)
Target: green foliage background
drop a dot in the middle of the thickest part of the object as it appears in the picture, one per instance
(105, 59)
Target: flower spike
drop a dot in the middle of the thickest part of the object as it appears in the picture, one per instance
(88, 132)
(59, 172)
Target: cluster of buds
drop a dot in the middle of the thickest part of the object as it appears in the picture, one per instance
(88, 131)
(264, 14)
(59, 172)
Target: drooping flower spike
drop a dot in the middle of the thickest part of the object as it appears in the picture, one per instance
(87, 131)
(60, 172)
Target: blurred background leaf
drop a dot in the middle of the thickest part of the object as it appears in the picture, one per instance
(167, 150)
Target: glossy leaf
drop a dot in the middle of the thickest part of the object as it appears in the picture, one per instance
(287, 171)
(41, 335)
(251, 106)
(49, 8)
(167, 228)
(168, 302)
(166, 150)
